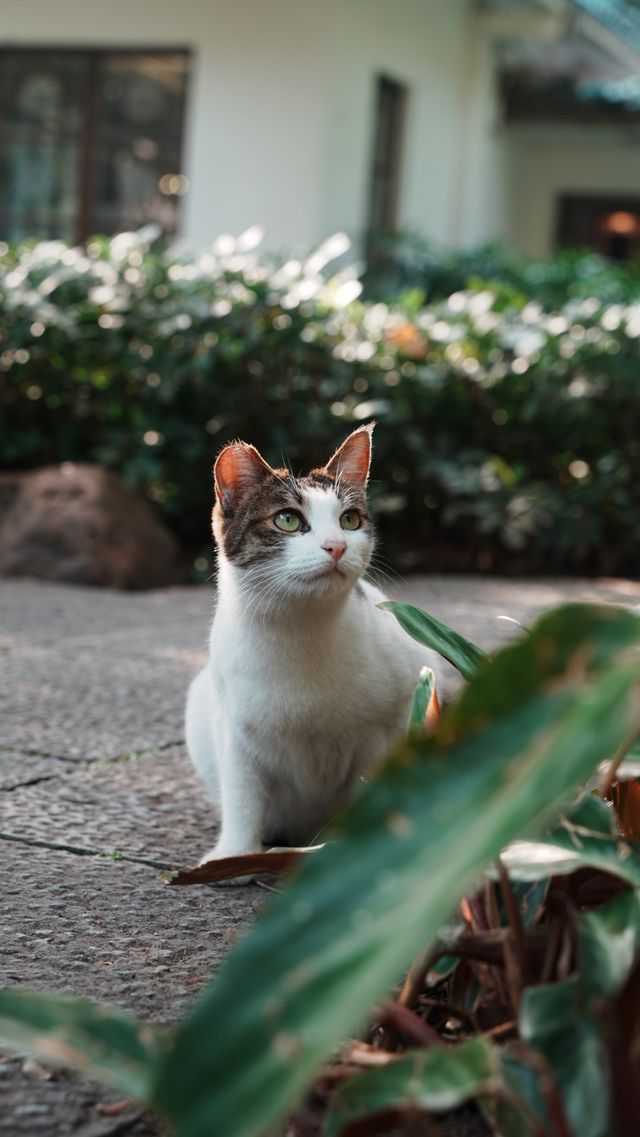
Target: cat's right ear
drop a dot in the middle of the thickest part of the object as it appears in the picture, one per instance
(238, 468)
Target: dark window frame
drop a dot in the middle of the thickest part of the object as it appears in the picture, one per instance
(578, 218)
(83, 226)
(387, 159)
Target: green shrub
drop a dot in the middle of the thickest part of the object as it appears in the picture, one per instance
(407, 262)
(546, 957)
(509, 435)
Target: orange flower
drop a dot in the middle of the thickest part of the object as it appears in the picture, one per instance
(407, 339)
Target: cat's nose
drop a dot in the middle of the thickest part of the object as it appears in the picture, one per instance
(335, 548)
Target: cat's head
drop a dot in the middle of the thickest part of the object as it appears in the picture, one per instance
(308, 536)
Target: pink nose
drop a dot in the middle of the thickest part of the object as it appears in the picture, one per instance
(335, 549)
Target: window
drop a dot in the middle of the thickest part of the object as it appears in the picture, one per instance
(90, 141)
(386, 164)
(610, 225)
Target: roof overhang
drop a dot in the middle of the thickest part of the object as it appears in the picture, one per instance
(585, 40)
(571, 60)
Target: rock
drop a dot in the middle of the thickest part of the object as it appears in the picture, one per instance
(79, 524)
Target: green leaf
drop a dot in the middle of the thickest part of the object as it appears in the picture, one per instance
(608, 945)
(432, 633)
(564, 1020)
(436, 1079)
(444, 1078)
(421, 699)
(99, 1042)
(521, 1110)
(553, 1021)
(408, 849)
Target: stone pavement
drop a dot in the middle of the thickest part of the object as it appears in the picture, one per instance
(96, 794)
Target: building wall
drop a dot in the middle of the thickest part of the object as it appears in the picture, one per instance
(480, 185)
(544, 163)
(257, 103)
(423, 44)
(281, 108)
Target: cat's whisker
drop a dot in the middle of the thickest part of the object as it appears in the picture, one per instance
(384, 573)
(268, 585)
(262, 584)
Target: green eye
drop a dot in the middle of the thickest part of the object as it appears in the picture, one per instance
(288, 520)
(350, 519)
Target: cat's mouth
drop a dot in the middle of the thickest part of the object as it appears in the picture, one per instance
(325, 573)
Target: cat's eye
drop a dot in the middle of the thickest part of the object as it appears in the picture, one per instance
(288, 521)
(350, 519)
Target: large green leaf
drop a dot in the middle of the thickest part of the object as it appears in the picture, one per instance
(432, 633)
(99, 1042)
(414, 842)
(437, 1079)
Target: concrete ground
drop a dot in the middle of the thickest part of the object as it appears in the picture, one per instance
(96, 794)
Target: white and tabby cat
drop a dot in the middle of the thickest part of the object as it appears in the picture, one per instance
(308, 684)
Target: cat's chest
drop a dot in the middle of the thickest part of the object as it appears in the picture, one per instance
(303, 683)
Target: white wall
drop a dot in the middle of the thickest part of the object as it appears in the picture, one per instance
(481, 206)
(421, 43)
(545, 163)
(281, 107)
(257, 103)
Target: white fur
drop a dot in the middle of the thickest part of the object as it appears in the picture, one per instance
(307, 687)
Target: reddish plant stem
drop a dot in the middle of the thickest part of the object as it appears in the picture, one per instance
(494, 916)
(404, 1021)
(515, 922)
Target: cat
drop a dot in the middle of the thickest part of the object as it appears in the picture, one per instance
(308, 684)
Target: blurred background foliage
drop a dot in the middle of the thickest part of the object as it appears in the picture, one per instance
(506, 391)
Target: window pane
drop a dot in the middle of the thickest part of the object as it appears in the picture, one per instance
(137, 155)
(42, 95)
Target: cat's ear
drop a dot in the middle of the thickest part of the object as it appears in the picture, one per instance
(238, 468)
(351, 461)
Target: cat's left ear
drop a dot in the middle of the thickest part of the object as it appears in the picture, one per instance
(351, 461)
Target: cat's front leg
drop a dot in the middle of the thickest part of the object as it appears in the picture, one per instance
(242, 802)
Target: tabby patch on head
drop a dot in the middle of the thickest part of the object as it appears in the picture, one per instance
(305, 534)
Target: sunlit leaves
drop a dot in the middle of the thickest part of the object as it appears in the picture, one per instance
(103, 345)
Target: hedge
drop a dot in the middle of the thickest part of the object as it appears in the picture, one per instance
(508, 433)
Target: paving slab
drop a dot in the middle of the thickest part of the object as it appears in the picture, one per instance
(95, 702)
(18, 768)
(484, 608)
(96, 791)
(150, 807)
(92, 673)
(113, 930)
(110, 930)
